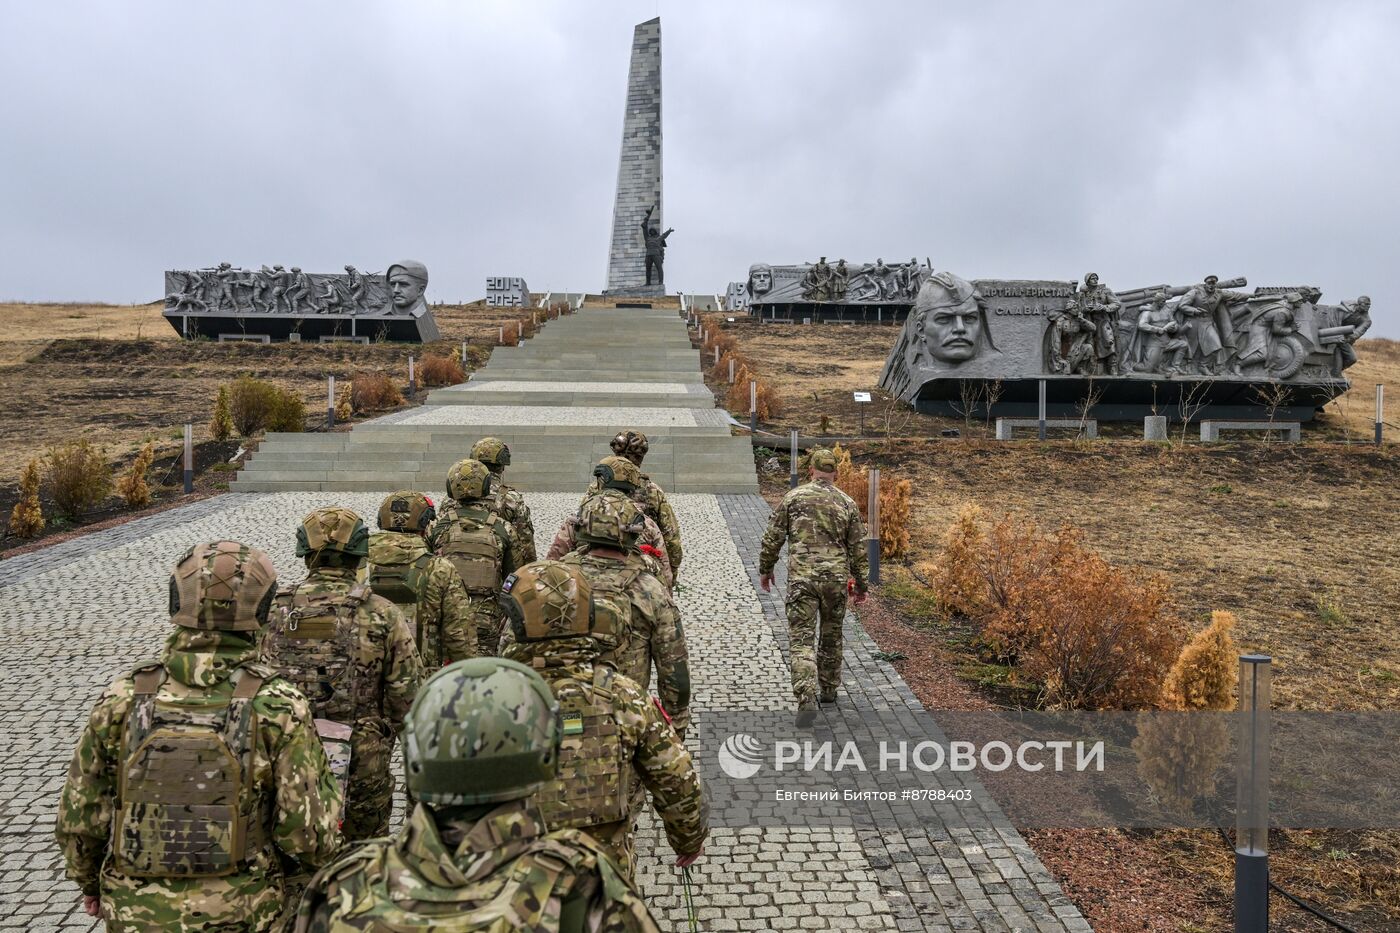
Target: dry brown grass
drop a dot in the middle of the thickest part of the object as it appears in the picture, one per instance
(374, 391)
(438, 370)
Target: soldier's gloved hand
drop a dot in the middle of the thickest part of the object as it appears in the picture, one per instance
(766, 581)
(685, 861)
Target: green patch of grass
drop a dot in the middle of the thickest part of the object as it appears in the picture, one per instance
(890, 656)
(1330, 611)
(1381, 674)
(223, 468)
(1222, 488)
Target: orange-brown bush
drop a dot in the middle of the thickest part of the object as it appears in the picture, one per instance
(27, 517)
(373, 391)
(437, 370)
(80, 477)
(1205, 673)
(1092, 635)
(343, 410)
(896, 500)
(767, 402)
(721, 368)
(132, 485)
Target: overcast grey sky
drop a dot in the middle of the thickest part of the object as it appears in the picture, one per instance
(1152, 142)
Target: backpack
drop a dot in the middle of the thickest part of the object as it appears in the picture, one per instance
(402, 584)
(184, 800)
(476, 546)
(593, 782)
(612, 599)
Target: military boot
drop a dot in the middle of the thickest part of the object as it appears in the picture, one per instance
(806, 710)
(828, 695)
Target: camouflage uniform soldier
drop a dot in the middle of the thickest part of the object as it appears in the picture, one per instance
(352, 654)
(633, 445)
(505, 501)
(198, 783)
(614, 736)
(476, 853)
(426, 588)
(619, 476)
(826, 548)
(479, 544)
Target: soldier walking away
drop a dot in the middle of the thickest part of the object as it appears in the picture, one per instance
(352, 654)
(650, 498)
(302, 290)
(198, 792)
(655, 242)
(355, 289)
(476, 853)
(615, 738)
(505, 501)
(826, 555)
(618, 476)
(424, 587)
(479, 544)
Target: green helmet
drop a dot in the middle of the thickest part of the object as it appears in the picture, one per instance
(493, 452)
(222, 585)
(610, 520)
(547, 599)
(333, 529)
(469, 479)
(483, 730)
(618, 473)
(407, 511)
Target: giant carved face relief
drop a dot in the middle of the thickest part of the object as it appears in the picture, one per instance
(954, 327)
(760, 279)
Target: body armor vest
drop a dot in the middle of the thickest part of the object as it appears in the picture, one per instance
(475, 548)
(612, 599)
(401, 584)
(593, 783)
(184, 804)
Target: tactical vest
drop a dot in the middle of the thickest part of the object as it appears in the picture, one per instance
(401, 584)
(475, 546)
(593, 783)
(612, 599)
(185, 806)
(389, 895)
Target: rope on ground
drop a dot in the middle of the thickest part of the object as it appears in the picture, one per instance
(1299, 902)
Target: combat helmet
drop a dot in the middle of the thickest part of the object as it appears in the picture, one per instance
(493, 452)
(332, 530)
(224, 586)
(630, 444)
(469, 479)
(407, 511)
(548, 599)
(617, 472)
(611, 521)
(484, 730)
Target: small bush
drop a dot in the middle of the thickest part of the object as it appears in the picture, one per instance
(374, 392)
(1207, 669)
(27, 517)
(221, 424)
(956, 580)
(721, 369)
(896, 500)
(767, 403)
(288, 413)
(440, 371)
(132, 486)
(343, 411)
(80, 476)
(250, 402)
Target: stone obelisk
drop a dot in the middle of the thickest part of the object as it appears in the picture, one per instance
(639, 169)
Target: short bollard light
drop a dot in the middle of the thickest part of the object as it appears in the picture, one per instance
(1252, 735)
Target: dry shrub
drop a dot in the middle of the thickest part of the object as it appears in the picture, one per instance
(343, 411)
(221, 423)
(132, 485)
(80, 477)
(896, 500)
(250, 402)
(956, 581)
(441, 371)
(721, 369)
(768, 403)
(374, 392)
(27, 517)
(1206, 671)
(288, 413)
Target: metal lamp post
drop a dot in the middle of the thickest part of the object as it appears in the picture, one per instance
(792, 459)
(872, 542)
(1252, 796)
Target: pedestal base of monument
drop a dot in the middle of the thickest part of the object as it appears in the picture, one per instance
(406, 328)
(829, 311)
(636, 291)
(1128, 398)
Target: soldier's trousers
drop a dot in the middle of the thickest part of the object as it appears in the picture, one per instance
(816, 608)
(490, 620)
(369, 796)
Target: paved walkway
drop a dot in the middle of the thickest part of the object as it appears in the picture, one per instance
(75, 615)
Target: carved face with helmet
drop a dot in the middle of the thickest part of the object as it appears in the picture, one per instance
(469, 479)
(481, 731)
(408, 512)
(609, 521)
(333, 536)
(493, 452)
(632, 445)
(224, 586)
(549, 600)
(618, 473)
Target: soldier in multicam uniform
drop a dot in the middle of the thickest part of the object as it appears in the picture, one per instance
(616, 740)
(476, 853)
(826, 549)
(155, 843)
(425, 587)
(352, 654)
(619, 477)
(650, 498)
(505, 501)
(480, 544)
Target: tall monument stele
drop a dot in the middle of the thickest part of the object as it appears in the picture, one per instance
(639, 169)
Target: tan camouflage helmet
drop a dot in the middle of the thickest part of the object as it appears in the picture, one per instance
(333, 529)
(469, 479)
(222, 585)
(630, 444)
(480, 731)
(548, 599)
(618, 473)
(822, 460)
(407, 511)
(612, 521)
(493, 452)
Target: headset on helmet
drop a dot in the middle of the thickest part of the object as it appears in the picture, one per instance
(547, 600)
(493, 452)
(407, 511)
(630, 444)
(617, 472)
(334, 530)
(469, 479)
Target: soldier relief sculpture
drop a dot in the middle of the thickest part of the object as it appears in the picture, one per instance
(224, 289)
